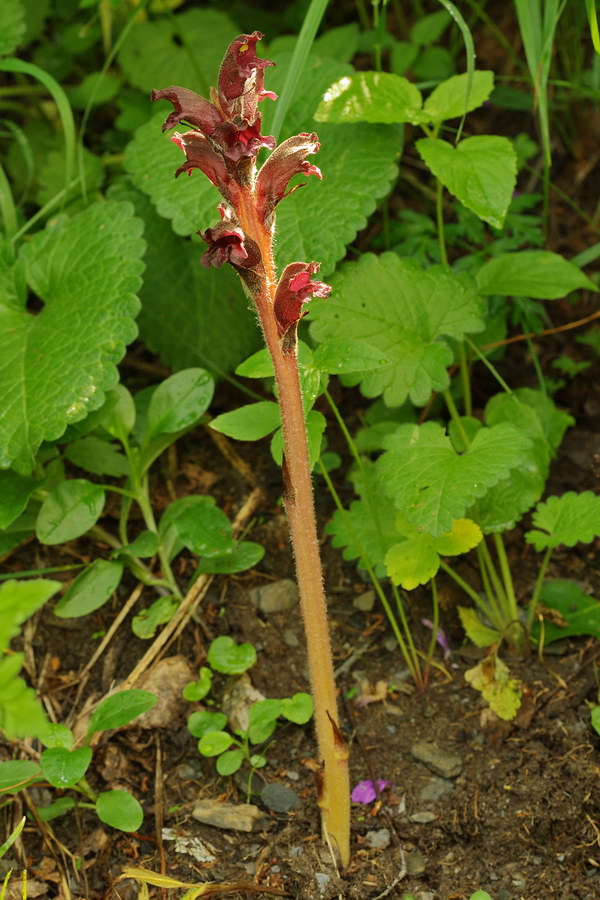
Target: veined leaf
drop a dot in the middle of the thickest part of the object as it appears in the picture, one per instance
(532, 273)
(567, 611)
(405, 312)
(12, 25)
(416, 559)
(492, 678)
(458, 95)
(566, 520)
(481, 635)
(380, 97)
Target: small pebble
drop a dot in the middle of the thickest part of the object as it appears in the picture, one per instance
(279, 798)
(415, 862)
(364, 602)
(378, 840)
(422, 818)
(435, 788)
(441, 762)
(322, 880)
(278, 596)
(290, 638)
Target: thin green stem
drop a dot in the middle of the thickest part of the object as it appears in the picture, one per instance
(84, 787)
(498, 590)
(27, 573)
(143, 500)
(539, 582)
(506, 575)
(439, 215)
(465, 377)
(434, 628)
(455, 416)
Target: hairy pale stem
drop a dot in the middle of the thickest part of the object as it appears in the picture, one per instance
(334, 795)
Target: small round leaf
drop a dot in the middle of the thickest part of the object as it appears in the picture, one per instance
(224, 655)
(120, 810)
(229, 762)
(63, 768)
(69, 511)
(179, 402)
(202, 721)
(213, 743)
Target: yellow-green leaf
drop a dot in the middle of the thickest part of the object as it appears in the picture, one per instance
(476, 631)
(492, 678)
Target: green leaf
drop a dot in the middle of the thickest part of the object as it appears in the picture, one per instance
(481, 635)
(480, 895)
(262, 720)
(213, 743)
(341, 356)
(16, 774)
(458, 95)
(96, 88)
(416, 560)
(405, 312)
(63, 768)
(186, 48)
(298, 709)
(90, 590)
(492, 678)
(532, 273)
(18, 601)
(429, 29)
(15, 491)
(56, 365)
(481, 172)
(56, 735)
(145, 624)
(118, 415)
(259, 365)
(119, 810)
(69, 511)
(229, 762)
(120, 709)
(195, 691)
(595, 719)
(568, 520)
(21, 714)
(97, 456)
(55, 809)
(339, 43)
(179, 402)
(204, 529)
(244, 555)
(144, 546)
(12, 25)
(51, 178)
(224, 655)
(578, 612)
(431, 484)
(203, 721)
(377, 97)
(249, 423)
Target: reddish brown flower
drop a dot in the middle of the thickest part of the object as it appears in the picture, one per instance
(294, 289)
(288, 159)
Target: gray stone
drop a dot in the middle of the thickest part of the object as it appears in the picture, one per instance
(378, 840)
(441, 762)
(435, 788)
(364, 602)
(230, 816)
(278, 596)
(250, 783)
(279, 798)
(415, 862)
(422, 818)
(322, 879)
(425, 895)
(291, 638)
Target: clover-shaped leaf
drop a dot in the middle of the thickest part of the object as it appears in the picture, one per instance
(56, 365)
(224, 655)
(566, 520)
(417, 559)
(431, 484)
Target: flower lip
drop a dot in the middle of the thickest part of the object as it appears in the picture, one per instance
(190, 106)
(286, 160)
(295, 288)
(365, 791)
(240, 64)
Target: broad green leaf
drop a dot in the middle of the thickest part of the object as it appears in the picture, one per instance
(224, 655)
(259, 365)
(298, 709)
(229, 762)
(51, 178)
(567, 612)
(339, 43)
(12, 25)
(69, 511)
(492, 678)
(455, 96)
(18, 601)
(431, 484)
(377, 97)
(204, 529)
(120, 810)
(90, 590)
(182, 49)
(532, 273)
(566, 520)
(97, 456)
(416, 560)
(481, 635)
(145, 624)
(429, 29)
(16, 774)
(203, 720)
(481, 172)
(366, 530)
(194, 691)
(405, 312)
(55, 366)
(262, 720)
(179, 402)
(94, 89)
(340, 356)
(244, 555)
(120, 709)
(249, 423)
(63, 768)
(213, 743)
(15, 491)
(21, 714)
(480, 895)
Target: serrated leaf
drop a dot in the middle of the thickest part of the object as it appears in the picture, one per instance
(405, 312)
(97, 456)
(456, 96)
(578, 612)
(63, 768)
(12, 25)
(431, 484)
(177, 50)
(481, 172)
(120, 709)
(503, 693)
(55, 366)
(120, 810)
(416, 559)
(69, 511)
(341, 356)
(249, 423)
(15, 491)
(377, 97)
(18, 601)
(90, 590)
(481, 635)
(51, 177)
(568, 520)
(532, 273)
